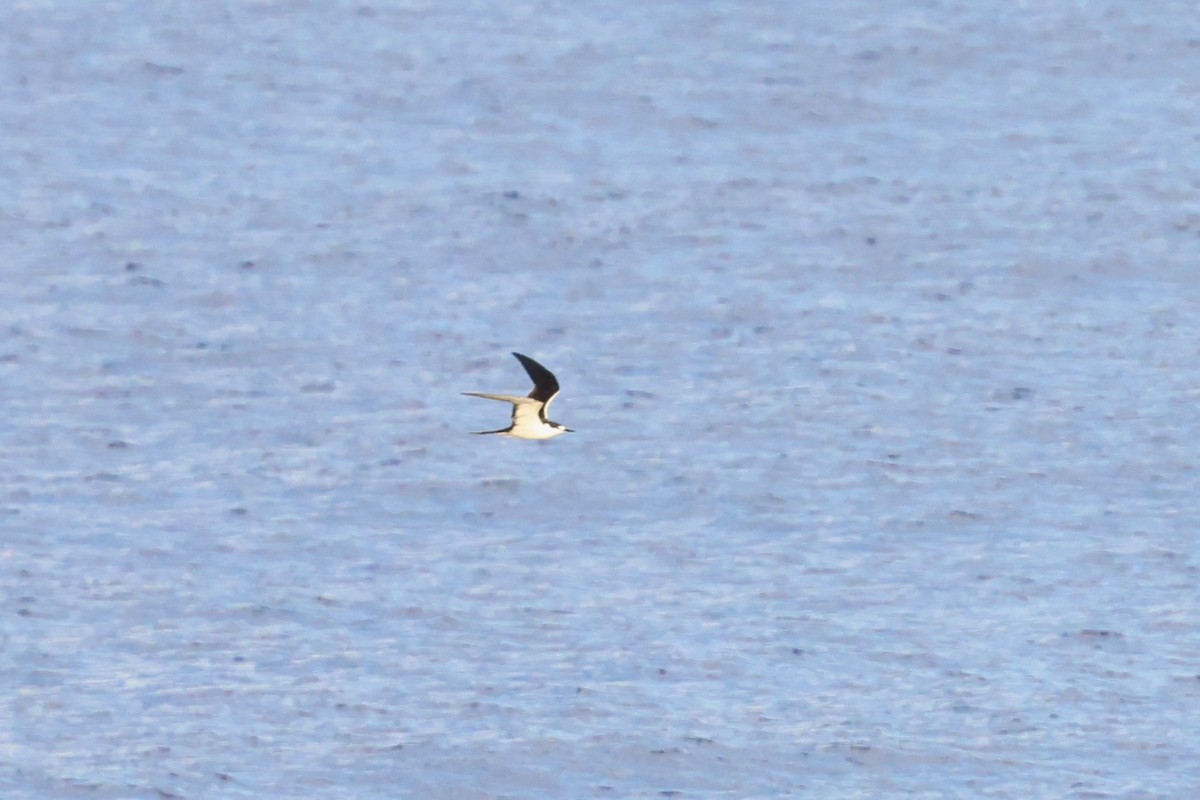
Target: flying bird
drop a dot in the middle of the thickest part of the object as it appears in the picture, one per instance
(529, 419)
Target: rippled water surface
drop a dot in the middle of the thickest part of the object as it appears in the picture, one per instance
(877, 322)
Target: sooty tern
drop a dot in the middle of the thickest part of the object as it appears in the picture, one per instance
(529, 413)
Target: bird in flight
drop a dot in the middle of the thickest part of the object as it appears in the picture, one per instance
(529, 419)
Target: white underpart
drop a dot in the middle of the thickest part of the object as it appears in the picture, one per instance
(526, 417)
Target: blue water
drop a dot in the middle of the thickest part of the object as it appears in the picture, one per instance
(876, 321)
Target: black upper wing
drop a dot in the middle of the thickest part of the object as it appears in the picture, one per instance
(545, 385)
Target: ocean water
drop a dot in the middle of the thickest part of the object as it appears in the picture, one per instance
(877, 323)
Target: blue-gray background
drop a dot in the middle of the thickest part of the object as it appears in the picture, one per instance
(877, 321)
